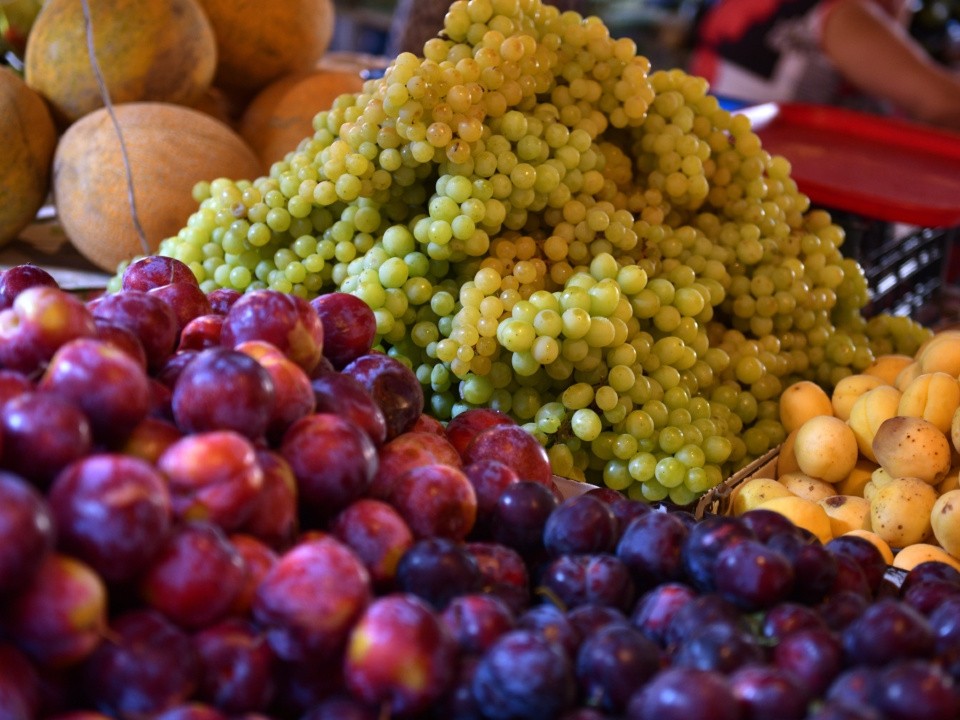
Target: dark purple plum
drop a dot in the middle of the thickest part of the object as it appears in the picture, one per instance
(835, 710)
(866, 554)
(40, 320)
(341, 707)
(109, 386)
(464, 427)
(18, 278)
(683, 694)
(720, 646)
(516, 447)
(237, 666)
(41, 434)
(788, 617)
(886, 631)
(195, 576)
(400, 654)
(768, 693)
(149, 665)
(554, 625)
(223, 389)
(704, 543)
(945, 623)
(393, 386)
(310, 599)
(186, 299)
(191, 711)
(113, 512)
(590, 617)
(378, 535)
(857, 685)
(503, 573)
(20, 685)
(925, 597)
(476, 621)
(520, 516)
(698, 612)
(813, 657)
(437, 570)
(345, 395)
(753, 576)
(815, 569)
(580, 524)
(26, 532)
(154, 271)
(597, 578)
(349, 327)
(765, 523)
(333, 460)
(148, 317)
(917, 690)
(654, 611)
(651, 547)
(612, 663)
(930, 570)
(489, 479)
(286, 321)
(524, 675)
(222, 299)
(201, 332)
(840, 608)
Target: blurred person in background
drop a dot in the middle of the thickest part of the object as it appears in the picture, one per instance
(852, 53)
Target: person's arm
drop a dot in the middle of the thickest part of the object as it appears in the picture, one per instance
(879, 57)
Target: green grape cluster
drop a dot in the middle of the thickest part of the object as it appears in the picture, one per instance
(543, 225)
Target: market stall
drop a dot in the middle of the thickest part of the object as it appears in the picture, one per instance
(526, 381)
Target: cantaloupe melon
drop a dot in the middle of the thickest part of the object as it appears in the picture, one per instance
(147, 51)
(170, 148)
(281, 115)
(29, 139)
(258, 42)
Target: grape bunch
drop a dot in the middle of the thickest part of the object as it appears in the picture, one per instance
(544, 225)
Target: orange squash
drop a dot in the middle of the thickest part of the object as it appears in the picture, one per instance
(147, 51)
(29, 139)
(170, 148)
(281, 115)
(258, 42)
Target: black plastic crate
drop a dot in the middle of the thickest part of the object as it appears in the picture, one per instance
(906, 267)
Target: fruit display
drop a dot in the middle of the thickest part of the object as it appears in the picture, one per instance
(412, 425)
(878, 457)
(545, 226)
(230, 506)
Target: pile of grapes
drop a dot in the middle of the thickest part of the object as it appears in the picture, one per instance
(544, 226)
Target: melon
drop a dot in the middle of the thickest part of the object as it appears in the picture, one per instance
(258, 42)
(154, 51)
(29, 139)
(169, 147)
(281, 115)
